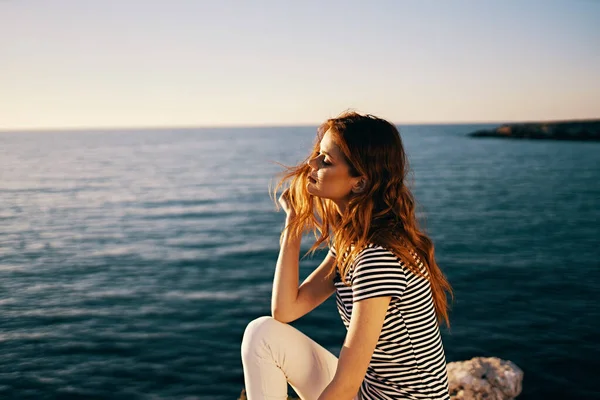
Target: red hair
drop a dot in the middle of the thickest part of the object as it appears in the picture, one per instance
(383, 214)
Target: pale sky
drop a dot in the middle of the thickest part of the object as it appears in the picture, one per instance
(145, 63)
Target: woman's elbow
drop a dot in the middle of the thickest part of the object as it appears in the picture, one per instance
(281, 316)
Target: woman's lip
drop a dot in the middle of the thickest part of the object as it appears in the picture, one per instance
(312, 179)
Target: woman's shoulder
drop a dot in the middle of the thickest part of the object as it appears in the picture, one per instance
(374, 250)
(369, 248)
(372, 247)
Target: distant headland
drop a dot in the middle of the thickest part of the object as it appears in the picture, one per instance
(554, 130)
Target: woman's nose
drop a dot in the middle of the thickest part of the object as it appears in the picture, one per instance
(311, 163)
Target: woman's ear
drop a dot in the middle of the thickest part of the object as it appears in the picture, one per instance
(360, 186)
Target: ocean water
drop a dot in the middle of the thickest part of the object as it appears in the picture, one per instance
(131, 261)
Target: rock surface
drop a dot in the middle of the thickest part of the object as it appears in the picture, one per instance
(487, 378)
(479, 378)
(558, 130)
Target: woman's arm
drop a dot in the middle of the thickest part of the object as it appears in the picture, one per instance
(285, 282)
(314, 290)
(363, 334)
(288, 302)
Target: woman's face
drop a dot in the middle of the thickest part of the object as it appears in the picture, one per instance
(330, 174)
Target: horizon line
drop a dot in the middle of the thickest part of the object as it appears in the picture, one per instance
(250, 125)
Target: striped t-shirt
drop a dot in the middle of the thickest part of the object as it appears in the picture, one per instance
(408, 361)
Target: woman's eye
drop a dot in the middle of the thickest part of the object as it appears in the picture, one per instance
(323, 161)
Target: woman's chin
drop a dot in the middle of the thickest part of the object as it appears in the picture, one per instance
(311, 189)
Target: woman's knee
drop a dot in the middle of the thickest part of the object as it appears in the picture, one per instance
(261, 326)
(260, 329)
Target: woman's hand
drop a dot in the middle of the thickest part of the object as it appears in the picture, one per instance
(284, 201)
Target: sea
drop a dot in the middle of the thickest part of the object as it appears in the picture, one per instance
(132, 260)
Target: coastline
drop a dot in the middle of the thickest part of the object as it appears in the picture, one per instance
(583, 130)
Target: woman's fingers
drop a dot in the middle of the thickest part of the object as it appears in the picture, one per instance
(284, 200)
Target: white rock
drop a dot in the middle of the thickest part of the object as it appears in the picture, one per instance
(488, 378)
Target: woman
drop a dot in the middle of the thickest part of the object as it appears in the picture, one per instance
(390, 293)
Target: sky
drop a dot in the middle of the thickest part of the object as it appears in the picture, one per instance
(150, 63)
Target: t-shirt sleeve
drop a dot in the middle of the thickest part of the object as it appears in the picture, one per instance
(377, 273)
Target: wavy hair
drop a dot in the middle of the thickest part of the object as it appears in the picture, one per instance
(382, 214)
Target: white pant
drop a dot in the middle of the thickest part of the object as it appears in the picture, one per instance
(275, 354)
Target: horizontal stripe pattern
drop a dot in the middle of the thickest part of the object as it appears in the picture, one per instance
(409, 360)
